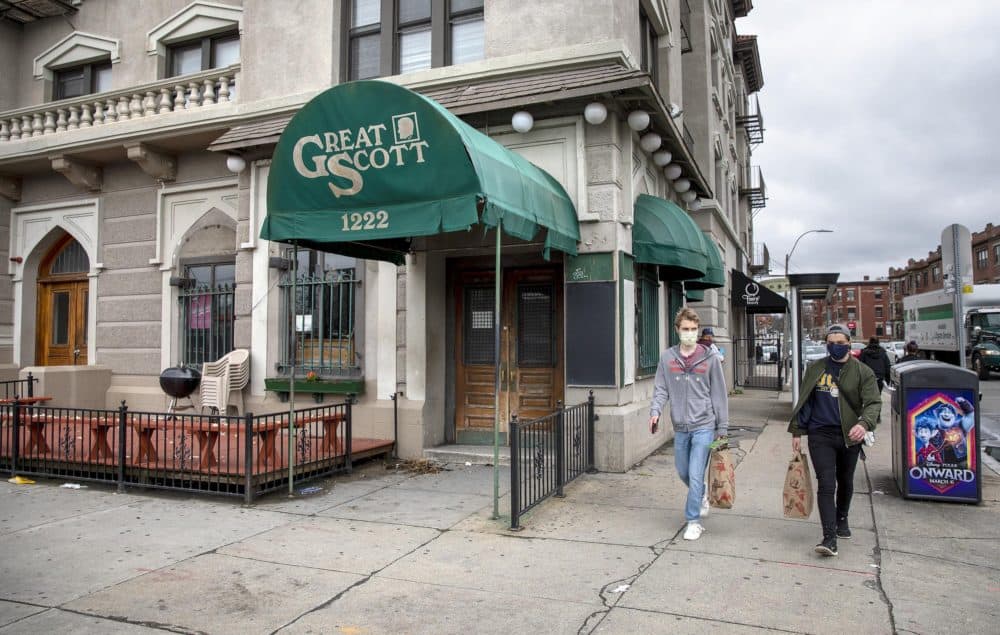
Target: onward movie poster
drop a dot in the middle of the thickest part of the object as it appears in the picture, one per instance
(942, 452)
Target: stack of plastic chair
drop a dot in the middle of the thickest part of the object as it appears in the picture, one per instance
(223, 381)
(214, 389)
(239, 377)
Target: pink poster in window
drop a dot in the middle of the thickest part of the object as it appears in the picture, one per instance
(200, 312)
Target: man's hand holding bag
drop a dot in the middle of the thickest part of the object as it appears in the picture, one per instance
(721, 477)
(797, 497)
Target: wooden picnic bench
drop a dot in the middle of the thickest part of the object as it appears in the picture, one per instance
(206, 430)
(268, 432)
(34, 423)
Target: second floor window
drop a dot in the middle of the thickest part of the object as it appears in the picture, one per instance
(203, 54)
(386, 37)
(936, 273)
(850, 294)
(982, 259)
(878, 311)
(878, 294)
(82, 80)
(852, 313)
(650, 49)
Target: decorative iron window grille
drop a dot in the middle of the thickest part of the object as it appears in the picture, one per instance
(206, 323)
(321, 337)
(647, 305)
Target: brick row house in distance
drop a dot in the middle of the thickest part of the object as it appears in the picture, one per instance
(920, 276)
(863, 306)
(136, 149)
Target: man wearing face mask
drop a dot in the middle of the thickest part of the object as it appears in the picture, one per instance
(839, 402)
(690, 376)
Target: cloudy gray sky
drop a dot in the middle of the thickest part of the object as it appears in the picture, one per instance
(882, 123)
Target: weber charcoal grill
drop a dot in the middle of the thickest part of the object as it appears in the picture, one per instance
(179, 382)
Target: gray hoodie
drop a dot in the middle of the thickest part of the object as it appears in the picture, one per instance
(696, 391)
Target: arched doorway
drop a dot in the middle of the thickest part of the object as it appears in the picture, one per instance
(63, 294)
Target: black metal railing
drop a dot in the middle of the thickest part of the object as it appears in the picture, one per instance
(760, 362)
(233, 455)
(18, 387)
(547, 453)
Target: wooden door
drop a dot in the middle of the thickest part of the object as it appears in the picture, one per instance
(531, 350)
(62, 323)
(62, 305)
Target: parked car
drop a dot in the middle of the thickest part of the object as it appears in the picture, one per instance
(897, 350)
(812, 353)
(856, 348)
(768, 354)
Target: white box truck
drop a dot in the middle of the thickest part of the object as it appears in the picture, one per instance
(930, 321)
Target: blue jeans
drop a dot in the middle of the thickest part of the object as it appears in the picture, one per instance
(691, 458)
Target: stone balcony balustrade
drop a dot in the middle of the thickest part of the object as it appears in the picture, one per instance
(186, 92)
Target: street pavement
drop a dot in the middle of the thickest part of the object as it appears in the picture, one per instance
(389, 550)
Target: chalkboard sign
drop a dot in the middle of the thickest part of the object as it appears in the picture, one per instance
(590, 333)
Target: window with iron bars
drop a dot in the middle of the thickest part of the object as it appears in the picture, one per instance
(647, 310)
(206, 302)
(319, 310)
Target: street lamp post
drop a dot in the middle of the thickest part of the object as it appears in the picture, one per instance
(788, 256)
(793, 322)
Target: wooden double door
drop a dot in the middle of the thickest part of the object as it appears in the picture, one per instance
(532, 375)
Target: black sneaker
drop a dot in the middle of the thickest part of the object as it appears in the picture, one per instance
(827, 548)
(843, 529)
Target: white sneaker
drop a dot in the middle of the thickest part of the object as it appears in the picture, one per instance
(704, 505)
(693, 531)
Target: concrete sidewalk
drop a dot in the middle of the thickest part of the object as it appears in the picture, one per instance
(388, 551)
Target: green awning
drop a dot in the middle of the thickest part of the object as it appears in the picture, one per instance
(694, 295)
(663, 234)
(715, 277)
(366, 166)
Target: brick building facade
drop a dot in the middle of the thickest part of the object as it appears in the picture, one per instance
(926, 274)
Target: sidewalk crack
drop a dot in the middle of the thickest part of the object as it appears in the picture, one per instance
(877, 555)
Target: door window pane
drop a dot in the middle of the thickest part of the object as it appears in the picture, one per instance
(102, 78)
(365, 57)
(70, 83)
(60, 318)
(535, 338)
(185, 59)
(225, 51)
(467, 40)
(414, 50)
(479, 336)
(86, 311)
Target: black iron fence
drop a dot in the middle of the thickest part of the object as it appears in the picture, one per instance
(233, 455)
(548, 452)
(18, 387)
(760, 363)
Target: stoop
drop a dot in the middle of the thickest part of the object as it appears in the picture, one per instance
(474, 454)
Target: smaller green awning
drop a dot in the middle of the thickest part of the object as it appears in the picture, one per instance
(663, 234)
(715, 276)
(694, 295)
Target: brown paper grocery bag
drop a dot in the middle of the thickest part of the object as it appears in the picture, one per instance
(797, 496)
(721, 479)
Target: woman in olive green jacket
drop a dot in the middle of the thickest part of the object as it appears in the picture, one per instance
(839, 402)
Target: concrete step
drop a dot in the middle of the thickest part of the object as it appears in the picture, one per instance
(474, 454)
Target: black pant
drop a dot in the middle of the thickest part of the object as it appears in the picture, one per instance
(834, 463)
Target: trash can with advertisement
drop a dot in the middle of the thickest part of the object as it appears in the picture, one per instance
(935, 432)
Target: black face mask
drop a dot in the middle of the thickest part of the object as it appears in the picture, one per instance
(837, 351)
